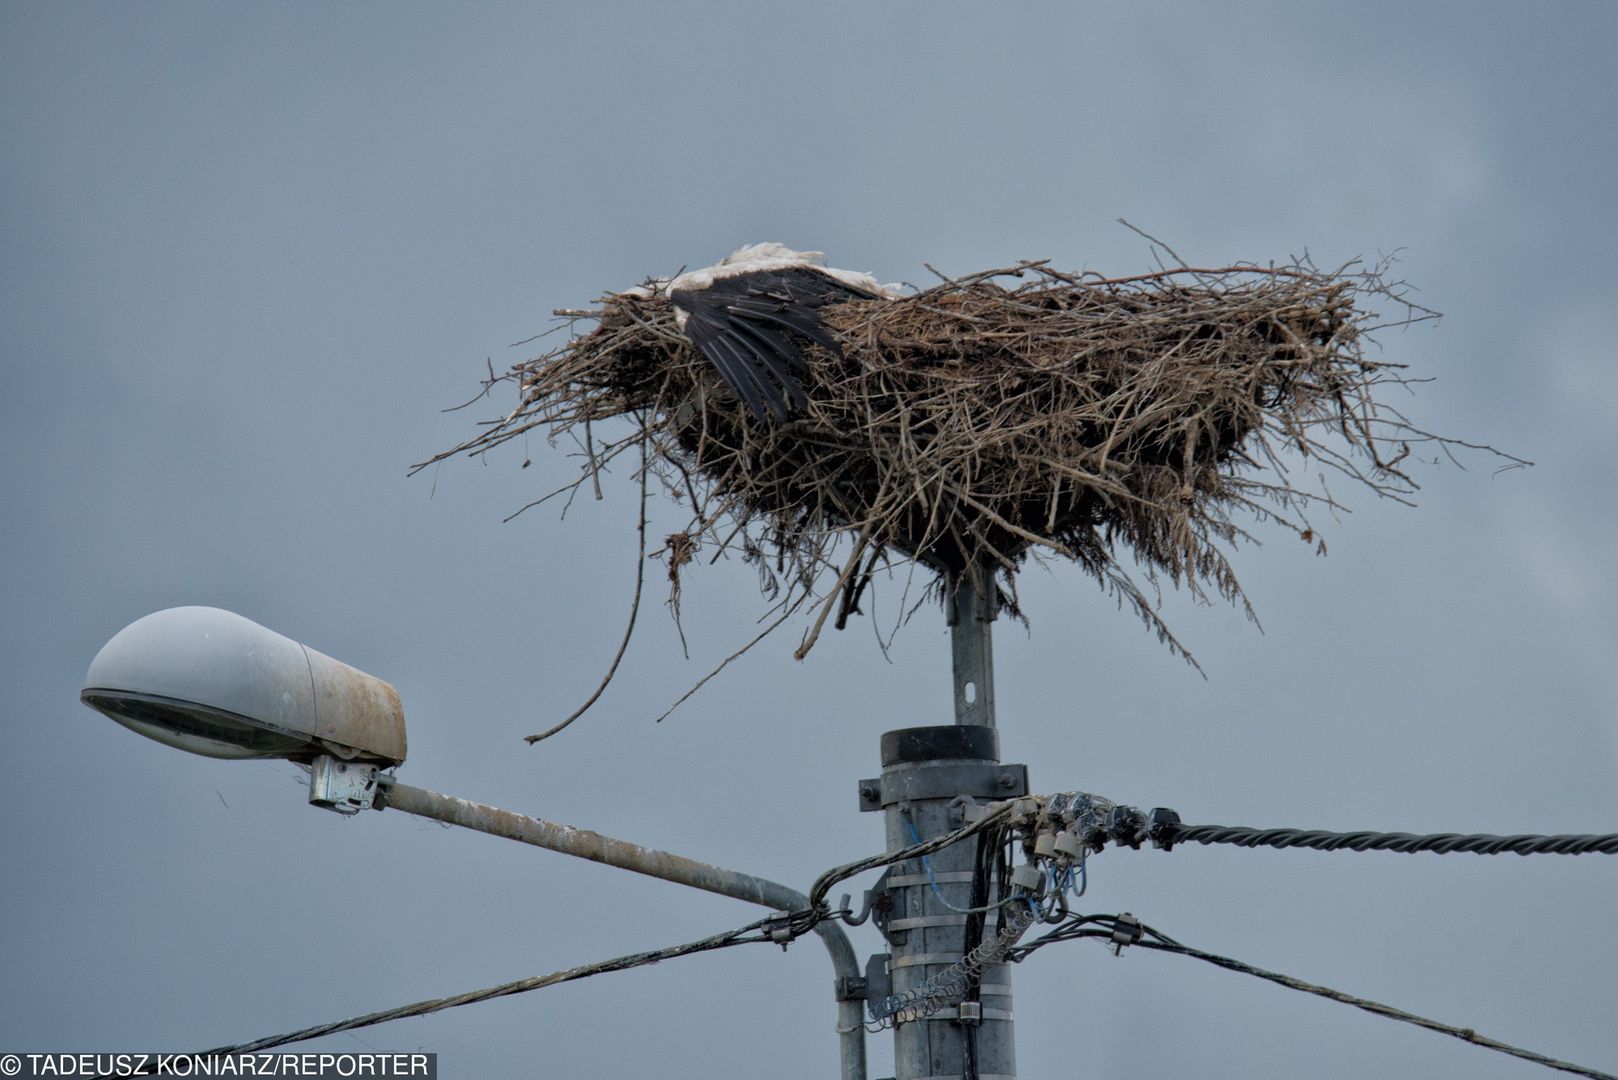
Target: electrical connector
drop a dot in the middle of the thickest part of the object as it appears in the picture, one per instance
(1068, 844)
(1045, 845)
(1162, 825)
(1027, 877)
(1127, 826)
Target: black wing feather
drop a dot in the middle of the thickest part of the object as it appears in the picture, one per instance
(739, 374)
(746, 326)
(783, 363)
(805, 321)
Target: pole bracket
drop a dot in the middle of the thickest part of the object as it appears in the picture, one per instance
(850, 988)
(989, 782)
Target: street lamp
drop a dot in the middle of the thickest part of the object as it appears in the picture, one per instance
(214, 683)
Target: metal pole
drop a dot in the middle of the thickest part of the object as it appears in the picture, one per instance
(972, 607)
(659, 864)
(926, 772)
(921, 902)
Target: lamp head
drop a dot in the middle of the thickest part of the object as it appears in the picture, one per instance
(217, 684)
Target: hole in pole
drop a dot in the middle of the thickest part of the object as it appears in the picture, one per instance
(969, 692)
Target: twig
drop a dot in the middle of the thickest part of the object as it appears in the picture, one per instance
(634, 606)
(787, 611)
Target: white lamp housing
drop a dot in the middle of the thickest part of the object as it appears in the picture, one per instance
(217, 684)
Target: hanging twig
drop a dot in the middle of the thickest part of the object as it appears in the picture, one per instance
(634, 605)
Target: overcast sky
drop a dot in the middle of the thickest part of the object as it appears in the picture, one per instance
(250, 252)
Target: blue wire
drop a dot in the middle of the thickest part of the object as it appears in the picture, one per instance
(927, 864)
(1051, 893)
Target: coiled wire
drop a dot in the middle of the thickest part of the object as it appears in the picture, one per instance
(949, 986)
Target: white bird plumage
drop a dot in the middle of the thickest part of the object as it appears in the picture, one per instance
(771, 256)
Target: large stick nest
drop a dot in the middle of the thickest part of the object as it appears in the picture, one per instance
(1013, 412)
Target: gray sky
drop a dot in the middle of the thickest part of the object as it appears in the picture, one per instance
(250, 252)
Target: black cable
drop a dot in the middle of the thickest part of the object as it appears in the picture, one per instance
(989, 844)
(1112, 925)
(978, 903)
(824, 883)
(1379, 1009)
(798, 923)
(1442, 843)
(1130, 827)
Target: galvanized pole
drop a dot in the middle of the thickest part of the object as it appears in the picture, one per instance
(928, 776)
(972, 605)
(584, 844)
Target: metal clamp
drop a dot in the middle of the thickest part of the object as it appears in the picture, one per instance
(1126, 930)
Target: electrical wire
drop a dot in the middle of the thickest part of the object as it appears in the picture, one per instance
(1015, 911)
(932, 879)
(993, 816)
(1379, 1009)
(1130, 828)
(1442, 843)
(991, 876)
(1119, 929)
(988, 855)
(795, 923)
(1098, 820)
(1112, 927)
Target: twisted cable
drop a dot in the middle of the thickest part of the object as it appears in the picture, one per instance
(1148, 938)
(794, 923)
(1441, 843)
(1377, 1008)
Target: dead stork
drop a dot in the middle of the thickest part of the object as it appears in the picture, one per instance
(749, 313)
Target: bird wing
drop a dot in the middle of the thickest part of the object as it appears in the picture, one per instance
(745, 324)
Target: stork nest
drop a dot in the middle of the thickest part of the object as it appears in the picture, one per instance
(1016, 412)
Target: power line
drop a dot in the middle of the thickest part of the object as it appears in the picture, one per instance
(1099, 820)
(1091, 821)
(779, 928)
(1124, 930)
(1442, 843)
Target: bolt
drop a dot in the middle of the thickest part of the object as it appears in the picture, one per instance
(1008, 780)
